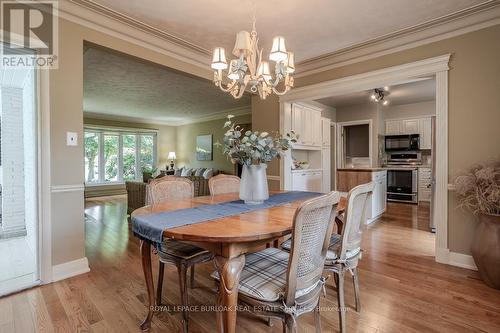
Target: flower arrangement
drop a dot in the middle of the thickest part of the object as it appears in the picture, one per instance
(479, 189)
(253, 147)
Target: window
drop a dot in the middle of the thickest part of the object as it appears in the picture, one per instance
(117, 155)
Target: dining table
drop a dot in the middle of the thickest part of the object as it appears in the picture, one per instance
(229, 238)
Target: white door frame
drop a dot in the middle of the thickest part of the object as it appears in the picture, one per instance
(339, 142)
(438, 67)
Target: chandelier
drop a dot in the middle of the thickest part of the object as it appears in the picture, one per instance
(250, 70)
(380, 95)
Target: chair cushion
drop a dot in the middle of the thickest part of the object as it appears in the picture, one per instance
(179, 249)
(333, 253)
(264, 275)
(287, 245)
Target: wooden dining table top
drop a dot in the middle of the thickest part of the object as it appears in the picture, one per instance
(250, 226)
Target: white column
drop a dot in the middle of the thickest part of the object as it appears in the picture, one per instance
(441, 168)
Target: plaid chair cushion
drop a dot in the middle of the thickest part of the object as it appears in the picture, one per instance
(264, 275)
(333, 252)
(179, 249)
(287, 245)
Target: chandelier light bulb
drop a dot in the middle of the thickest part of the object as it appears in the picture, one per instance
(386, 88)
(386, 102)
(373, 97)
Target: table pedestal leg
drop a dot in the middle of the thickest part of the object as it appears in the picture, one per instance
(148, 276)
(229, 272)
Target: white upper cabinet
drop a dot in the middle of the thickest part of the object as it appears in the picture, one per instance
(306, 122)
(393, 127)
(325, 129)
(425, 127)
(422, 126)
(410, 126)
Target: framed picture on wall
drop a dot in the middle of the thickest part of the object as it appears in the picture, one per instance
(204, 147)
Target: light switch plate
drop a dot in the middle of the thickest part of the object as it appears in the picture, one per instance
(71, 139)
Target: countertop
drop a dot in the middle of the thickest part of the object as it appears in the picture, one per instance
(390, 167)
(362, 169)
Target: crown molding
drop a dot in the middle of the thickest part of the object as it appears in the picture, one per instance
(98, 17)
(474, 18)
(90, 14)
(240, 111)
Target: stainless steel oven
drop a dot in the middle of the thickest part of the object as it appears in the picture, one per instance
(402, 185)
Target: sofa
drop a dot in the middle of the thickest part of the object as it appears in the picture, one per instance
(136, 191)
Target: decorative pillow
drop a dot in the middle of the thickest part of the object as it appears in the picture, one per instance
(199, 172)
(208, 173)
(178, 172)
(186, 172)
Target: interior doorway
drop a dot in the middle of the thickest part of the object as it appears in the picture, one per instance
(436, 68)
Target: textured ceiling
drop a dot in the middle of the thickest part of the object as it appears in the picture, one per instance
(311, 28)
(121, 86)
(407, 93)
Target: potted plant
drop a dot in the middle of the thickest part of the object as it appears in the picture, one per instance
(147, 173)
(253, 150)
(479, 191)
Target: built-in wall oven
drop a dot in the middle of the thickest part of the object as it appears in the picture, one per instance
(402, 184)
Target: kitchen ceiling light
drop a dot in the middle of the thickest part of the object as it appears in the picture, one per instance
(380, 95)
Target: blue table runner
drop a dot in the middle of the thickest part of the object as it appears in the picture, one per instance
(150, 227)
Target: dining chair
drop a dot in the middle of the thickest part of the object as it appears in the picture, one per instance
(344, 254)
(222, 184)
(284, 285)
(180, 254)
(356, 202)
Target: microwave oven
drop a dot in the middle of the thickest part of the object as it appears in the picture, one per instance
(402, 142)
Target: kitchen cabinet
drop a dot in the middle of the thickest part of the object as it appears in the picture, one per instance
(393, 127)
(410, 126)
(425, 127)
(377, 201)
(325, 166)
(347, 179)
(307, 180)
(379, 196)
(306, 122)
(422, 126)
(325, 131)
(424, 184)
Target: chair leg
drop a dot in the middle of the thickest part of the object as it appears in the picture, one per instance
(289, 325)
(161, 270)
(341, 304)
(317, 318)
(192, 277)
(182, 270)
(355, 280)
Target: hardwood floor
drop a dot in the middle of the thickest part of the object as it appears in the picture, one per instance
(402, 288)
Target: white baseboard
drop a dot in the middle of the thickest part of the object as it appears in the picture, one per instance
(70, 269)
(445, 256)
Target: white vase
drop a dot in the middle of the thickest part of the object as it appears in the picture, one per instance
(253, 185)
